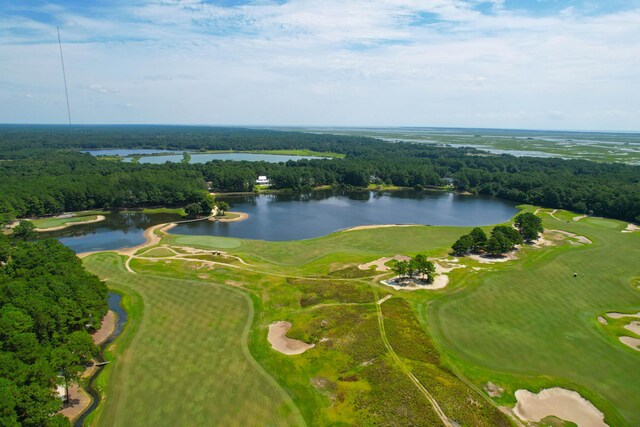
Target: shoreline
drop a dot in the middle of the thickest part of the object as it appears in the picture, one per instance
(241, 216)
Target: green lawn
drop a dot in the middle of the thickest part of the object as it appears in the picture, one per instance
(56, 222)
(527, 323)
(532, 324)
(188, 362)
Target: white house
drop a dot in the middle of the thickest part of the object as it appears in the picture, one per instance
(262, 180)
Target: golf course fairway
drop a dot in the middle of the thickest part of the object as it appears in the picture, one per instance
(195, 349)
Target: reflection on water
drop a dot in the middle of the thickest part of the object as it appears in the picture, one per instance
(117, 231)
(302, 216)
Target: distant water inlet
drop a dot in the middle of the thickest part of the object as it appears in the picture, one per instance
(303, 216)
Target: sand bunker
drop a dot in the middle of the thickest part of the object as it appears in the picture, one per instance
(279, 341)
(483, 259)
(633, 327)
(564, 404)
(631, 228)
(621, 315)
(580, 239)
(380, 263)
(602, 320)
(439, 282)
(579, 217)
(634, 343)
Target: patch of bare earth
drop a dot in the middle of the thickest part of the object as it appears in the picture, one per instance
(565, 404)
(380, 262)
(280, 342)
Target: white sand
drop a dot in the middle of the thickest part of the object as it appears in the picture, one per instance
(490, 260)
(579, 217)
(634, 343)
(621, 315)
(280, 342)
(380, 263)
(564, 404)
(602, 320)
(631, 228)
(581, 239)
(439, 282)
(368, 227)
(633, 327)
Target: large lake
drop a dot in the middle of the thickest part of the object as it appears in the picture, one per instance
(174, 156)
(294, 217)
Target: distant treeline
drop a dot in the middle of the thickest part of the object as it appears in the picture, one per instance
(47, 304)
(44, 173)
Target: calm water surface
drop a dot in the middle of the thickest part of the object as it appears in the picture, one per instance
(204, 158)
(294, 217)
(117, 231)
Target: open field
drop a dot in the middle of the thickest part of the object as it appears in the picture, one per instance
(413, 358)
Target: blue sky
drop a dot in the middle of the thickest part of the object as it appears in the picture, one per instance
(544, 64)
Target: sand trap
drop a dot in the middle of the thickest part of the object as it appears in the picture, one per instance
(580, 239)
(70, 224)
(621, 315)
(367, 227)
(552, 214)
(634, 343)
(483, 259)
(633, 327)
(602, 320)
(279, 341)
(631, 228)
(439, 282)
(579, 217)
(380, 263)
(564, 404)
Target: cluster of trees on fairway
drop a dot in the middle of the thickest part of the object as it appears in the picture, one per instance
(419, 265)
(42, 176)
(503, 238)
(47, 303)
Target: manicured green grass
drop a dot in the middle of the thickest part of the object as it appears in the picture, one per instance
(56, 222)
(526, 323)
(188, 363)
(531, 324)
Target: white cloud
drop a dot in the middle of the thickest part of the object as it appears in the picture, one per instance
(376, 62)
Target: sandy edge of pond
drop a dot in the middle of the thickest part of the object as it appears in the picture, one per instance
(71, 224)
(565, 404)
(368, 227)
(280, 342)
(241, 217)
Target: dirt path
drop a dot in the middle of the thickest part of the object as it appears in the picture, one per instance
(408, 373)
(381, 300)
(552, 214)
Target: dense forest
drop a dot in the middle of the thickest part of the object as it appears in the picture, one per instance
(43, 171)
(47, 304)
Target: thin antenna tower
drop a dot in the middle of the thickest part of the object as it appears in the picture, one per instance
(64, 75)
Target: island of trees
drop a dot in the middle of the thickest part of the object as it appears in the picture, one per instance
(503, 238)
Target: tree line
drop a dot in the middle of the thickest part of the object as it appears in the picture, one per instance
(48, 303)
(43, 172)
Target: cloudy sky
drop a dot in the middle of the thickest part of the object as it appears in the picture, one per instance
(537, 64)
